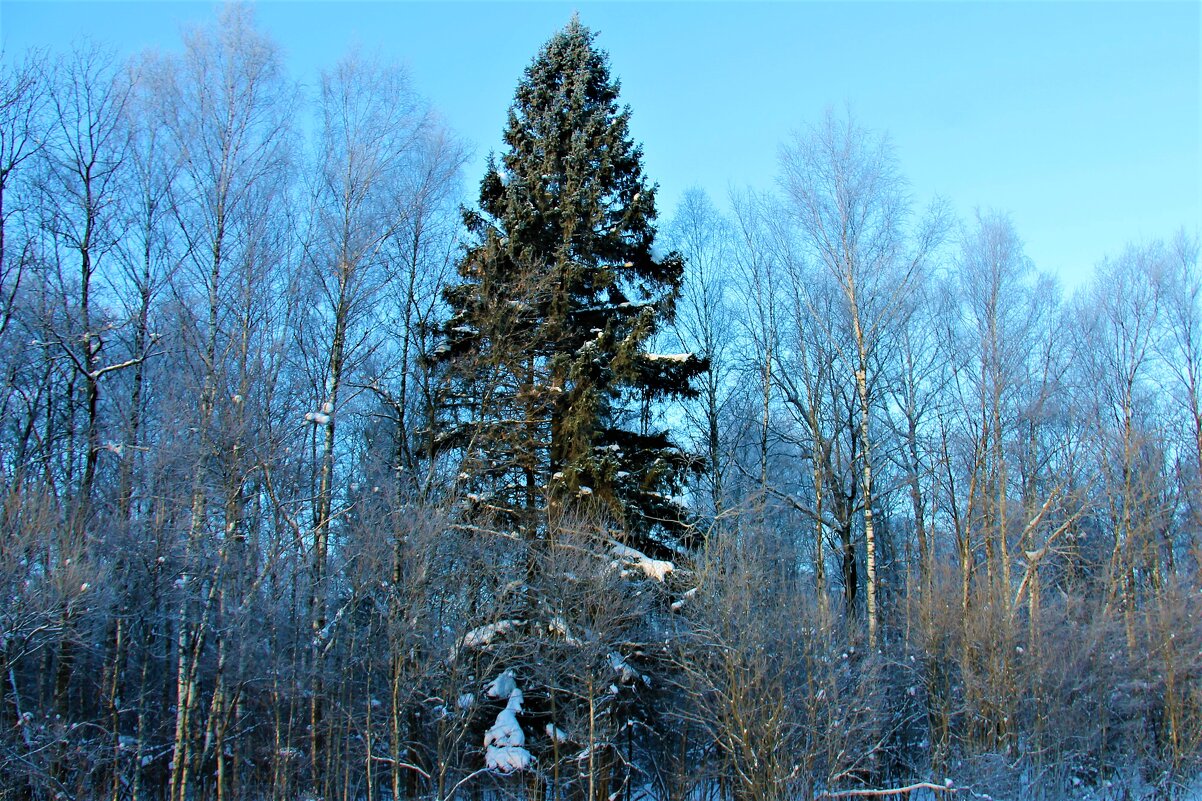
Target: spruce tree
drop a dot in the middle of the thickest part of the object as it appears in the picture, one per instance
(561, 293)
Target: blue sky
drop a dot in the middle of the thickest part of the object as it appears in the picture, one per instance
(1082, 120)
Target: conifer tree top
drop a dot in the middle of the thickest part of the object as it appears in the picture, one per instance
(571, 177)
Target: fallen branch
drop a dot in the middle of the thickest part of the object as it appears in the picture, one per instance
(462, 782)
(399, 764)
(944, 788)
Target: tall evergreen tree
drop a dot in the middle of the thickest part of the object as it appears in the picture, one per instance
(551, 384)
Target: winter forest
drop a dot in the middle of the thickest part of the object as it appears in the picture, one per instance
(325, 475)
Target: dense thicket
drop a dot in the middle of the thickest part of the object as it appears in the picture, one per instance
(294, 466)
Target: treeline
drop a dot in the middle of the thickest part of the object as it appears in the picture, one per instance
(941, 523)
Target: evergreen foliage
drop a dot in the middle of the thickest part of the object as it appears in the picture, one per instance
(550, 381)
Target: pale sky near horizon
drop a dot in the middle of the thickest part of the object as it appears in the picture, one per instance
(1082, 120)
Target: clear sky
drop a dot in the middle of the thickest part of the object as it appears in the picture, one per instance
(1082, 120)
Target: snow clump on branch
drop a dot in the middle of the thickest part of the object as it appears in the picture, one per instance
(505, 743)
(657, 569)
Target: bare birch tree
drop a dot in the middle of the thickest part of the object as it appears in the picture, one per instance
(850, 204)
(1121, 323)
(705, 324)
(23, 96)
(228, 108)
